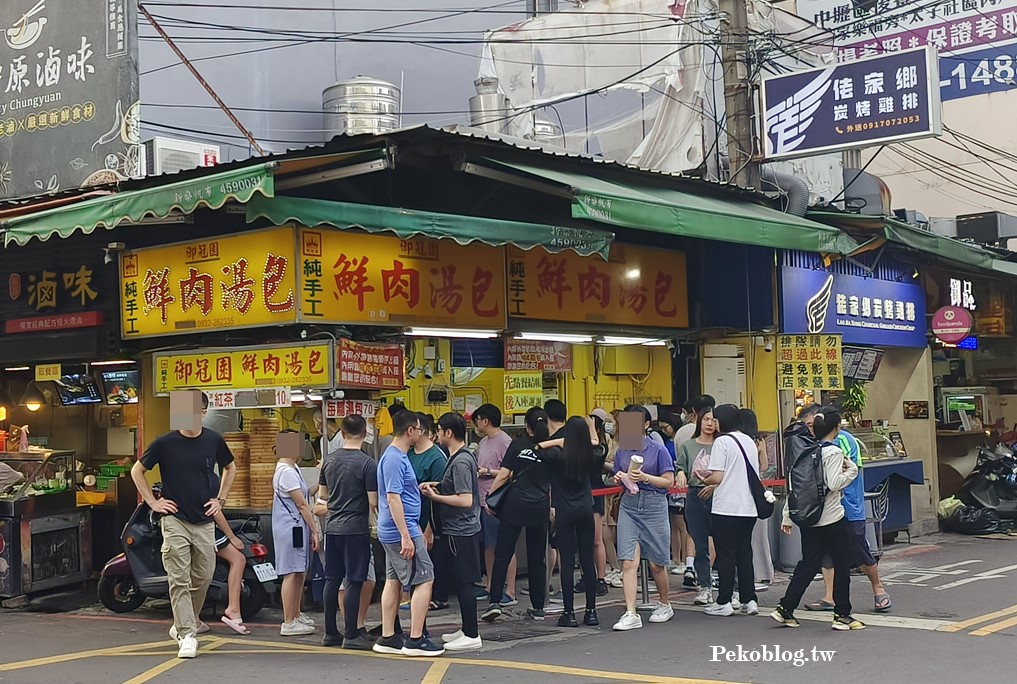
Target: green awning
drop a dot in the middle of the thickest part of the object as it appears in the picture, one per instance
(407, 223)
(675, 212)
(160, 201)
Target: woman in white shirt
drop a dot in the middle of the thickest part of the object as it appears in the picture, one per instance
(734, 512)
(830, 535)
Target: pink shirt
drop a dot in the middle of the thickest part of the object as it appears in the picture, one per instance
(490, 453)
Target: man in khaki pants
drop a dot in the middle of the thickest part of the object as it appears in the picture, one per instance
(191, 496)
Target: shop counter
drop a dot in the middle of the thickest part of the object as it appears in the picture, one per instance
(898, 474)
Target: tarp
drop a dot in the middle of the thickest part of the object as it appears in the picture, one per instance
(408, 223)
(212, 191)
(685, 214)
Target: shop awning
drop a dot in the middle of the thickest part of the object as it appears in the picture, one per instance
(408, 223)
(132, 206)
(675, 212)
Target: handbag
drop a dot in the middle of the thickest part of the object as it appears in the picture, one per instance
(764, 509)
(496, 499)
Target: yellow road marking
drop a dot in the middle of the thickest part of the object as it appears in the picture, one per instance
(436, 672)
(995, 627)
(68, 657)
(964, 624)
(582, 672)
(150, 674)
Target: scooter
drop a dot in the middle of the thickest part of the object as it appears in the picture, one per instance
(138, 573)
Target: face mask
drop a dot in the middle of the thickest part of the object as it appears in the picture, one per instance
(685, 417)
(609, 428)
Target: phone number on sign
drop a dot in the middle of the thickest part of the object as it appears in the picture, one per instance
(883, 123)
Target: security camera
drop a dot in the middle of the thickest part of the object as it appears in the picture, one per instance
(116, 246)
(768, 347)
(107, 258)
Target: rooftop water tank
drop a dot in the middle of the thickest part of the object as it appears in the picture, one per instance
(489, 109)
(547, 131)
(361, 105)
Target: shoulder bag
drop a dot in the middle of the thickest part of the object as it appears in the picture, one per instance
(496, 499)
(764, 509)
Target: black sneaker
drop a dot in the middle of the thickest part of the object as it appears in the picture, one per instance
(364, 634)
(332, 640)
(784, 617)
(392, 645)
(374, 632)
(358, 643)
(601, 587)
(422, 647)
(492, 613)
(580, 587)
(591, 619)
(690, 579)
(568, 620)
(536, 614)
(847, 623)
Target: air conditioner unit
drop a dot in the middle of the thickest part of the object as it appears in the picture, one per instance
(167, 155)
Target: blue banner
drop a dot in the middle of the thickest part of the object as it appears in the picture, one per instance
(864, 310)
(881, 99)
(989, 70)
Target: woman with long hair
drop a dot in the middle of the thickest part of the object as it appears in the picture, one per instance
(295, 534)
(527, 506)
(571, 467)
(830, 535)
(762, 559)
(692, 454)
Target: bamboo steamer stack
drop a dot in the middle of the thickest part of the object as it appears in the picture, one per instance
(239, 446)
(263, 433)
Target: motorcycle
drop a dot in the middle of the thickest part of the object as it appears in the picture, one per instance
(138, 573)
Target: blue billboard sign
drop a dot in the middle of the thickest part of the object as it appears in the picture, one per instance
(864, 310)
(978, 72)
(887, 98)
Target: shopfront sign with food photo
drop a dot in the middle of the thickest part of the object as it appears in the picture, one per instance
(380, 280)
(224, 283)
(536, 355)
(862, 310)
(370, 365)
(637, 286)
(306, 365)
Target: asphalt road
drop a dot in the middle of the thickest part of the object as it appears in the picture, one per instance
(954, 619)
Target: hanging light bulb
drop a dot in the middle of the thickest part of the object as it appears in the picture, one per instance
(33, 399)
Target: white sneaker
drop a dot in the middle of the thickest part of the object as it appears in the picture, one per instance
(296, 628)
(704, 598)
(678, 569)
(464, 643)
(628, 621)
(718, 610)
(454, 636)
(202, 628)
(303, 618)
(188, 647)
(735, 602)
(750, 608)
(662, 613)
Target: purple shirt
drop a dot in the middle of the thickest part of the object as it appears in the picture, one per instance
(656, 461)
(490, 453)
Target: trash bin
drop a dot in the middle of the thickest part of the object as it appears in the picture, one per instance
(790, 548)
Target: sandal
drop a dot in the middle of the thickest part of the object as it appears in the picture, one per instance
(818, 605)
(438, 605)
(882, 603)
(237, 625)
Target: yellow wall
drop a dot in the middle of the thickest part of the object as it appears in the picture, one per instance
(582, 391)
(760, 381)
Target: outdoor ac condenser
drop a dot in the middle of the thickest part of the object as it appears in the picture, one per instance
(168, 155)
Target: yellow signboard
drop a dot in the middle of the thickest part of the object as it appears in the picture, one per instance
(354, 278)
(523, 391)
(297, 366)
(637, 286)
(235, 281)
(809, 362)
(47, 371)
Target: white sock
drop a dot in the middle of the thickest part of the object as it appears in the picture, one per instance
(690, 561)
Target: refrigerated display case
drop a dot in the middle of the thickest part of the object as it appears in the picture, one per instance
(45, 541)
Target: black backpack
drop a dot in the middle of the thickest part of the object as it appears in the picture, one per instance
(806, 484)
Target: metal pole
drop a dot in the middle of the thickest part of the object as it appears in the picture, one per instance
(737, 93)
(187, 63)
(644, 586)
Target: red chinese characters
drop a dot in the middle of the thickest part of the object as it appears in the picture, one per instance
(351, 278)
(224, 369)
(551, 278)
(448, 295)
(237, 291)
(275, 272)
(595, 285)
(196, 290)
(482, 282)
(661, 295)
(633, 297)
(401, 282)
(156, 293)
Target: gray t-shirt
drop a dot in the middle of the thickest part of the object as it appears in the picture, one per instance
(460, 478)
(348, 475)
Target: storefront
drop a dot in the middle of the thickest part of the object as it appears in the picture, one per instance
(974, 368)
(853, 333)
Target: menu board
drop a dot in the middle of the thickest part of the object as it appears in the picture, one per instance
(861, 363)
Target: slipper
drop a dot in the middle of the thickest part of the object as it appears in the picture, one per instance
(818, 605)
(237, 626)
(882, 603)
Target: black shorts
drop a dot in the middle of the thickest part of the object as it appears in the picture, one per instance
(221, 542)
(457, 559)
(858, 550)
(598, 505)
(347, 556)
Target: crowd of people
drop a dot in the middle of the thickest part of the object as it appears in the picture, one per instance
(449, 518)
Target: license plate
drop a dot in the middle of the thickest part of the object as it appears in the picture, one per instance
(266, 572)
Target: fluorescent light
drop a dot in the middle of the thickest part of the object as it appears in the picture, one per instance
(17, 368)
(633, 273)
(555, 337)
(112, 363)
(453, 332)
(621, 340)
(655, 343)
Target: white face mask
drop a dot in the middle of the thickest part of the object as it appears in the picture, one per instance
(685, 418)
(609, 428)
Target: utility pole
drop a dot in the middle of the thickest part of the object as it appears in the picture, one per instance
(734, 33)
